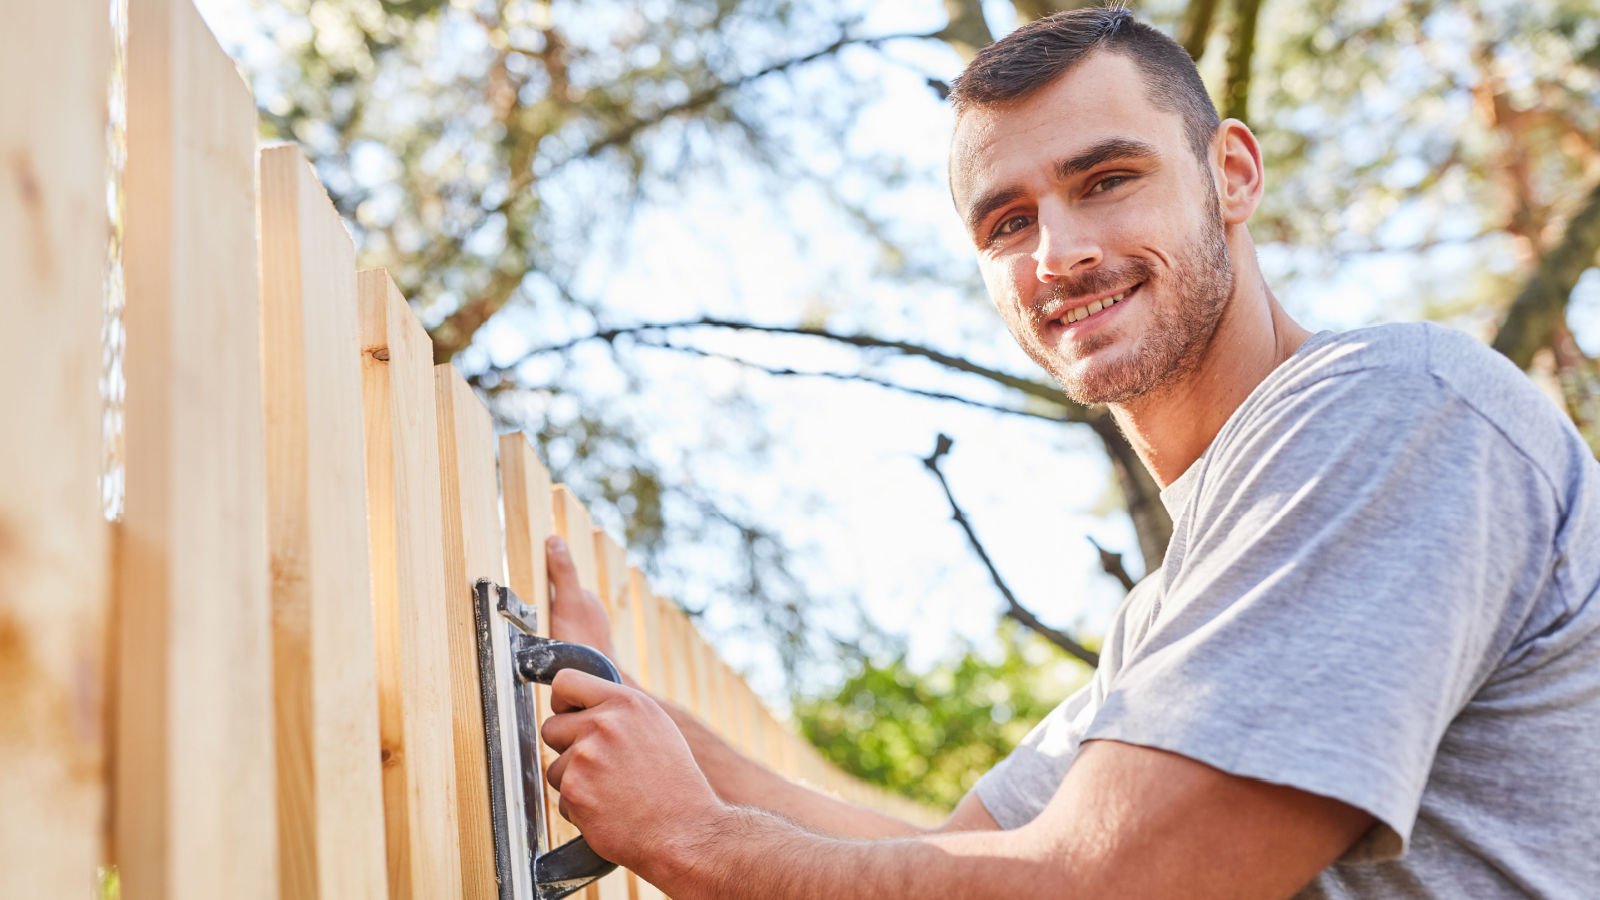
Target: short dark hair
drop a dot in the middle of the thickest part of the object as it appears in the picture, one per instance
(1034, 55)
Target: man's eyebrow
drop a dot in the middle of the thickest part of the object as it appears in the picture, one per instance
(987, 204)
(1105, 151)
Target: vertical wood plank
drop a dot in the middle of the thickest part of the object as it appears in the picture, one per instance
(473, 550)
(634, 629)
(702, 670)
(330, 790)
(612, 586)
(611, 565)
(195, 776)
(530, 520)
(54, 545)
(652, 672)
(418, 754)
(674, 649)
(577, 529)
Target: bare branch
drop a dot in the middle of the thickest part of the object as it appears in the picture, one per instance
(1014, 610)
(1111, 564)
(1071, 412)
(848, 376)
(709, 95)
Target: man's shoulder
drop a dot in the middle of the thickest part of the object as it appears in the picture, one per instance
(1397, 349)
(1407, 366)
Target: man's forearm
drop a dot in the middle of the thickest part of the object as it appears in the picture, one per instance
(741, 781)
(750, 853)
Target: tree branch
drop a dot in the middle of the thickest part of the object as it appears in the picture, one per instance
(1139, 490)
(1540, 306)
(1071, 412)
(966, 31)
(706, 96)
(1014, 610)
(1111, 564)
(1196, 26)
(847, 376)
(1241, 50)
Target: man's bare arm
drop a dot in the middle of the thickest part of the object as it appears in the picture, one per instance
(576, 615)
(742, 781)
(1128, 821)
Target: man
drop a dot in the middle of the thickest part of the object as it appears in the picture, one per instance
(1370, 664)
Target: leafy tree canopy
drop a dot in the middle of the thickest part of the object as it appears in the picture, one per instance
(930, 734)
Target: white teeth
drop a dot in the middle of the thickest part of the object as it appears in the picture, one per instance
(1084, 312)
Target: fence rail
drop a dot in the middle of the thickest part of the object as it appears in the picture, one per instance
(285, 607)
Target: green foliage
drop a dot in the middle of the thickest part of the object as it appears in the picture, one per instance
(929, 735)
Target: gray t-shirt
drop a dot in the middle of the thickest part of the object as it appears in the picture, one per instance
(1383, 586)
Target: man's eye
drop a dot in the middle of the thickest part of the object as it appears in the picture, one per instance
(1107, 184)
(1010, 226)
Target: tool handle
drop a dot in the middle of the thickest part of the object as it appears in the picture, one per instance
(566, 868)
(539, 659)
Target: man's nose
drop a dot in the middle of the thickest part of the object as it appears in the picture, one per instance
(1065, 246)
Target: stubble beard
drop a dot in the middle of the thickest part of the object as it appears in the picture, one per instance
(1174, 340)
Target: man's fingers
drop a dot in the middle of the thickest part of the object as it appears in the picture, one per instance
(573, 690)
(560, 730)
(556, 770)
(563, 573)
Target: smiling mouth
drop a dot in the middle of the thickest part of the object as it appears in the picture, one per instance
(1079, 313)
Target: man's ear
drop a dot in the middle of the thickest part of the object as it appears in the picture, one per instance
(1238, 157)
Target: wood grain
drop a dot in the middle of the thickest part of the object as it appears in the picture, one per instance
(473, 550)
(330, 790)
(577, 529)
(54, 542)
(612, 586)
(413, 653)
(530, 520)
(195, 798)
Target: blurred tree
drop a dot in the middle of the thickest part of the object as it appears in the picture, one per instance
(488, 152)
(929, 735)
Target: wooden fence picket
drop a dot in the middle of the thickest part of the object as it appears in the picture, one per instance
(634, 648)
(473, 550)
(612, 586)
(530, 519)
(577, 529)
(574, 526)
(194, 805)
(330, 794)
(54, 541)
(417, 743)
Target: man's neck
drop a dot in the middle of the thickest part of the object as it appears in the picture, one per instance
(1172, 427)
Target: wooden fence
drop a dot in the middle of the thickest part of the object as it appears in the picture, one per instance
(261, 681)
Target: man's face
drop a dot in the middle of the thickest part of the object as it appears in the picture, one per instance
(1079, 195)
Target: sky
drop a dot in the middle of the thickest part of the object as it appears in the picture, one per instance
(843, 475)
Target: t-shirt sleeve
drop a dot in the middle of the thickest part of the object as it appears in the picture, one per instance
(1350, 582)
(1018, 787)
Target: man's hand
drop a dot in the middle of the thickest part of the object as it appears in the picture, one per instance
(576, 614)
(626, 777)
